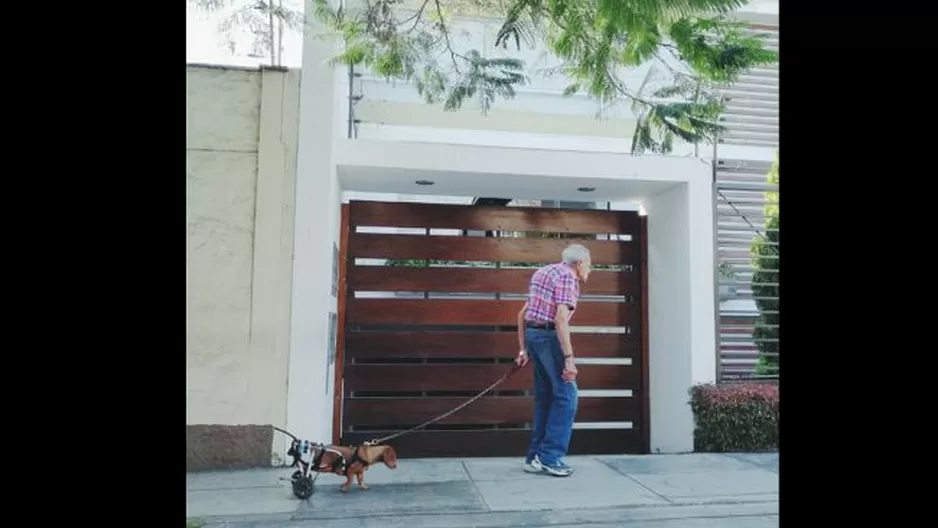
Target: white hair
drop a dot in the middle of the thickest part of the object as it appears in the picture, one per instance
(575, 253)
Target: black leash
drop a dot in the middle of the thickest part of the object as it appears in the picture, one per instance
(514, 368)
(288, 433)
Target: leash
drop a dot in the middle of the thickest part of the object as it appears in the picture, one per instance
(499, 381)
(288, 433)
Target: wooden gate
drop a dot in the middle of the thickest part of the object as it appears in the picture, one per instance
(430, 320)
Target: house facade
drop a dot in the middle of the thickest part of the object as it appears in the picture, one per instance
(305, 196)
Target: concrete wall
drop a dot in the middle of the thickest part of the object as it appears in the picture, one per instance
(240, 174)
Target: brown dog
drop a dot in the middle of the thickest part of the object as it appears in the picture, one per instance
(357, 461)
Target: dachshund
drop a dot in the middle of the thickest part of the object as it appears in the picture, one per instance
(352, 462)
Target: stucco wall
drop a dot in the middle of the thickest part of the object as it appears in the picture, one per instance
(240, 173)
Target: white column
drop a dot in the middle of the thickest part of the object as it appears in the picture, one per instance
(669, 321)
(273, 242)
(702, 289)
(680, 305)
(309, 404)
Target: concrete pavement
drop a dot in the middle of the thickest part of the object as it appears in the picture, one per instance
(653, 491)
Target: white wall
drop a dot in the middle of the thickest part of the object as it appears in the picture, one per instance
(681, 309)
(240, 146)
(535, 140)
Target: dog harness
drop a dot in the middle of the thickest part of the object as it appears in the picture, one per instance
(354, 458)
(338, 465)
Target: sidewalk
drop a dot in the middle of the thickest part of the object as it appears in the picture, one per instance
(660, 491)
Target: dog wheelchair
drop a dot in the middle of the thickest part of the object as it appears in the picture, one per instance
(307, 457)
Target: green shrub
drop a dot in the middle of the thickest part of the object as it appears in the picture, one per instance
(765, 283)
(735, 417)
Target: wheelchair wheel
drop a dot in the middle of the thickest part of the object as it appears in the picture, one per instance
(303, 488)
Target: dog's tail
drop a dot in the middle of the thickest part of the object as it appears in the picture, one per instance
(288, 433)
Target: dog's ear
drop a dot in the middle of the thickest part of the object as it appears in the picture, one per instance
(389, 457)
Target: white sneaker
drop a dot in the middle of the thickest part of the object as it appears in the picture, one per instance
(534, 465)
(558, 469)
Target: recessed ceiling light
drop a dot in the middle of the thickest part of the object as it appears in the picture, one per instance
(424, 182)
(586, 189)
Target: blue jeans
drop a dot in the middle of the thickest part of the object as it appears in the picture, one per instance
(555, 400)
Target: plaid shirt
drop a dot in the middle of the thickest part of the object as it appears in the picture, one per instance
(550, 286)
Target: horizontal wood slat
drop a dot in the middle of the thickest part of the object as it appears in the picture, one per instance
(476, 377)
(383, 345)
(477, 280)
(483, 249)
(486, 410)
(502, 443)
(490, 218)
(476, 312)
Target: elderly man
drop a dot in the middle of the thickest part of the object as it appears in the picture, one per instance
(544, 336)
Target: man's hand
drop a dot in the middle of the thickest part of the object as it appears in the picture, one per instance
(563, 334)
(569, 370)
(522, 359)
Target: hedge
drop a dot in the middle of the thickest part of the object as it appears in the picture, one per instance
(735, 417)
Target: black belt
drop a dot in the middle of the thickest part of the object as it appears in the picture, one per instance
(541, 325)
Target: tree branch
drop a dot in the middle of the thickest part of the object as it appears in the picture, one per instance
(614, 81)
(445, 32)
(416, 17)
(674, 70)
